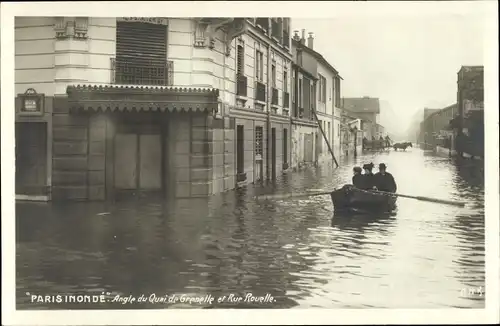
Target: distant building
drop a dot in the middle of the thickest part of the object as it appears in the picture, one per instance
(436, 128)
(469, 125)
(367, 109)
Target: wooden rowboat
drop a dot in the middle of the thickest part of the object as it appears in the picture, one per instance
(351, 198)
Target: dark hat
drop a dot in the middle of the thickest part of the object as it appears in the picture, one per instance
(381, 166)
(357, 169)
(368, 166)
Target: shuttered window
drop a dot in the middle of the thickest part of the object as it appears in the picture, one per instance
(240, 60)
(141, 53)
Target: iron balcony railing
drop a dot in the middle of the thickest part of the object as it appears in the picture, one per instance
(286, 100)
(274, 98)
(141, 72)
(241, 85)
(260, 91)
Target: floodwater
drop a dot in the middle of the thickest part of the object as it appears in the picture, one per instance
(426, 255)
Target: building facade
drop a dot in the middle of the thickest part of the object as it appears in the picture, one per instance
(182, 107)
(436, 128)
(469, 125)
(316, 132)
(304, 125)
(367, 109)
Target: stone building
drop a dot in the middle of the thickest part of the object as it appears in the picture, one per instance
(367, 109)
(469, 125)
(107, 107)
(316, 90)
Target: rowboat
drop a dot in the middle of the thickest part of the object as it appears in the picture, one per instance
(351, 198)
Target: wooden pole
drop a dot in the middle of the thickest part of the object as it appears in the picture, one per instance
(326, 139)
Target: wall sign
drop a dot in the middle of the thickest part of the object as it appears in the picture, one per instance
(32, 103)
(149, 20)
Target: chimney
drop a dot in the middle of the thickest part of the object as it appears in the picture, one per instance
(310, 41)
(303, 39)
(296, 36)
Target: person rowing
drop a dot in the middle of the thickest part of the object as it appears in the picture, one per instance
(384, 181)
(357, 178)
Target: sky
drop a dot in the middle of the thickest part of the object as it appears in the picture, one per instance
(409, 62)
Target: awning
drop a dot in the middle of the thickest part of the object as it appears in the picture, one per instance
(131, 98)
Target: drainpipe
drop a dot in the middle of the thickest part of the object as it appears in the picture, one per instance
(268, 116)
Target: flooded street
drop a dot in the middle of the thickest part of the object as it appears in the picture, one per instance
(427, 255)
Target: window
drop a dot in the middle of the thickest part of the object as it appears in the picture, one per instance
(273, 73)
(258, 140)
(301, 104)
(240, 60)
(322, 89)
(259, 65)
(329, 133)
(285, 80)
(337, 92)
(141, 54)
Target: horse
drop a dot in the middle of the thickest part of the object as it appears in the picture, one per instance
(402, 146)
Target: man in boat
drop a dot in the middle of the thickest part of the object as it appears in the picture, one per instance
(368, 177)
(357, 178)
(384, 181)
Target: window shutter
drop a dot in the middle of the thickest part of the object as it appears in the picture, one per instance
(141, 43)
(241, 57)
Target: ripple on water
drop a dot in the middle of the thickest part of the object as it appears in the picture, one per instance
(297, 250)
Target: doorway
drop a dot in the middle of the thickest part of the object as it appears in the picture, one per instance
(137, 164)
(273, 153)
(31, 158)
(240, 154)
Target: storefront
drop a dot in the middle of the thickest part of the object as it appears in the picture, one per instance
(113, 142)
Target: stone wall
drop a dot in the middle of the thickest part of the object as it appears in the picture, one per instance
(70, 159)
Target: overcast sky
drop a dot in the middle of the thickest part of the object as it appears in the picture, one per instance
(411, 62)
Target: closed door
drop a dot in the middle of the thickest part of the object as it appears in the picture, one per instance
(240, 149)
(126, 161)
(31, 158)
(149, 162)
(138, 162)
(273, 152)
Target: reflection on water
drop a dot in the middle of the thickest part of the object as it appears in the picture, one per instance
(296, 250)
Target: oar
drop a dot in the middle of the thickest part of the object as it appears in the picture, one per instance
(429, 199)
(292, 195)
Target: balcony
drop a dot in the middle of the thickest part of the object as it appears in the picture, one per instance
(141, 73)
(274, 98)
(240, 177)
(301, 113)
(264, 23)
(286, 100)
(260, 91)
(241, 85)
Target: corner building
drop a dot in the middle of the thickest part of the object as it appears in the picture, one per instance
(116, 107)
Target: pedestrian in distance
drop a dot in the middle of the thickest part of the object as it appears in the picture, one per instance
(384, 181)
